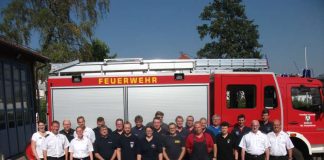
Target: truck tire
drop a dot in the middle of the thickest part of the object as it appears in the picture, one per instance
(297, 154)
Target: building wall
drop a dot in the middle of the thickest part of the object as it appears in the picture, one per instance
(17, 105)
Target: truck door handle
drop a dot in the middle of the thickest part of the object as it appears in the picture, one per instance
(293, 122)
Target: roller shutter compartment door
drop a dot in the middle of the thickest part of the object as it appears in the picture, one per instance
(69, 103)
(172, 100)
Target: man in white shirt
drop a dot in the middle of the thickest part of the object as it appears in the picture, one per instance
(280, 143)
(87, 132)
(255, 145)
(55, 145)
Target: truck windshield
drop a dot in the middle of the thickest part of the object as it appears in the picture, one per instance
(306, 98)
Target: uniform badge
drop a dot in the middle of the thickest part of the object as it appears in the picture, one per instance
(237, 133)
(229, 141)
(153, 146)
(131, 144)
(307, 118)
(176, 141)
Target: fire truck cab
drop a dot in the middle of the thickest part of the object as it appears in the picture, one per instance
(124, 88)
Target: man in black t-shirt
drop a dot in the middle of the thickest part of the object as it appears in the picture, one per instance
(100, 122)
(266, 126)
(173, 145)
(226, 145)
(239, 131)
(119, 128)
(181, 131)
(105, 146)
(127, 144)
(139, 129)
(67, 130)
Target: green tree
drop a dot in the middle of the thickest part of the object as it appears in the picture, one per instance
(232, 35)
(96, 51)
(64, 26)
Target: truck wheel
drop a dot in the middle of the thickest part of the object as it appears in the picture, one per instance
(297, 154)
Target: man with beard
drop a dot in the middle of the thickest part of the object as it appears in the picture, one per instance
(127, 144)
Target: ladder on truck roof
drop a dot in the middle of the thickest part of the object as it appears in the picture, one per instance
(140, 66)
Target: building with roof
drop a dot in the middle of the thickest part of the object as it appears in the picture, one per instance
(17, 96)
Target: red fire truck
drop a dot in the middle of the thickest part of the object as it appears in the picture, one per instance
(124, 88)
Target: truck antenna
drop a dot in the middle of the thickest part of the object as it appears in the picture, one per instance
(306, 66)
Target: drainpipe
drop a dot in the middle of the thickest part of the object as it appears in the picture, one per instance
(37, 94)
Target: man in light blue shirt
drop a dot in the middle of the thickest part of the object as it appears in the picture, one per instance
(215, 126)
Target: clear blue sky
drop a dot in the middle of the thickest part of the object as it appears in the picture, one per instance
(164, 28)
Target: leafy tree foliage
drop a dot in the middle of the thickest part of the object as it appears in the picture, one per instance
(65, 27)
(232, 35)
(96, 51)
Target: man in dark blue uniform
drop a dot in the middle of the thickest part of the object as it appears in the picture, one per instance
(128, 144)
(139, 129)
(266, 126)
(100, 122)
(105, 146)
(174, 145)
(161, 132)
(181, 131)
(239, 131)
(160, 115)
(226, 145)
(119, 128)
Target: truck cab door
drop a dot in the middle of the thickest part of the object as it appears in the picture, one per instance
(305, 114)
(240, 94)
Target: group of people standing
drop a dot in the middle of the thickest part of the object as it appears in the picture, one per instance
(157, 140)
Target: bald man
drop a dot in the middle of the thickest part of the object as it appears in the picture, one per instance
(67, 130)
(255, 145)
(281, 145)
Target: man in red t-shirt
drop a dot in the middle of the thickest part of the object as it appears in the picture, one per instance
(199, 144)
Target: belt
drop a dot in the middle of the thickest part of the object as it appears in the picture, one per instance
(49, 157)
(255, 156)
(85, 158)
(278, 157)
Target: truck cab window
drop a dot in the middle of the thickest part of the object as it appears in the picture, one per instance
(270, 97)
(241, 96)
(305, 98)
